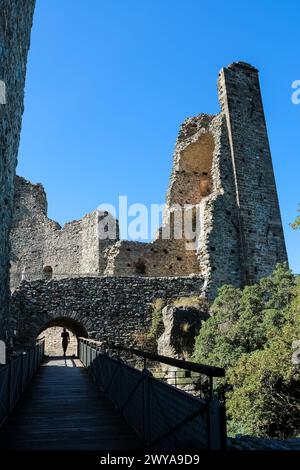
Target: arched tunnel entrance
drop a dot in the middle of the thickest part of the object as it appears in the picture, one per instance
(52, 331)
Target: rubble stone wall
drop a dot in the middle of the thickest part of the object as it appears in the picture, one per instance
(110, 309)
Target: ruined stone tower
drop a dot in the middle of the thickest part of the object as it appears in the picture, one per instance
(222, 172)
(223, 166)
(15, 27)
(259, 227)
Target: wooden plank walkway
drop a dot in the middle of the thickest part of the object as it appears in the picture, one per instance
(63, 409)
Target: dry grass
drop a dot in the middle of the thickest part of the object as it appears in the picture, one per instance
(192, 301)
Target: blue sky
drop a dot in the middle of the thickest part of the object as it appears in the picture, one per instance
(109, 82)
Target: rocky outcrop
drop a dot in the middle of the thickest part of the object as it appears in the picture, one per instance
(181, 326)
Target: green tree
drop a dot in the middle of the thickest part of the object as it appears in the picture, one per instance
(250, 333)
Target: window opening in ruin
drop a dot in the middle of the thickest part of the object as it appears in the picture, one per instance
(48, 272)
(140, 267)
(196, 161)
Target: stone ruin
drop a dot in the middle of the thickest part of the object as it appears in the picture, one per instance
(222, 168)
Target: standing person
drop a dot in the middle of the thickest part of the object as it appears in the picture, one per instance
(65, 340)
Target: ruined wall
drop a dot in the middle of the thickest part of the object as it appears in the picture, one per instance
(111, 309)
(202, 164)
(15, 27)
(40, 248)
(160, 258)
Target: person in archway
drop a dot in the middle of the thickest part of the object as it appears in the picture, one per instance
(65, 340)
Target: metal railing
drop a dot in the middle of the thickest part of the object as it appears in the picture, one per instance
(16, 375)
(165, 417)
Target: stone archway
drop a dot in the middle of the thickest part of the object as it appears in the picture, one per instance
(52, 330)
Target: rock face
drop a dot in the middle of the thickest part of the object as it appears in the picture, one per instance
(109, 309)
(15, 27)
(182, 325)
(222, 180)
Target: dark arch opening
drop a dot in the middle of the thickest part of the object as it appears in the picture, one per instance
(52, 331)
(66, 322)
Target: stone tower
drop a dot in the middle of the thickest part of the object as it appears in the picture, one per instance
(15, 27)
(222, 165)
(261, 239)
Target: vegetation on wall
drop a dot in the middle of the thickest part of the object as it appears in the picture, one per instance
(157, 325)
(251, 333)
(296, 225)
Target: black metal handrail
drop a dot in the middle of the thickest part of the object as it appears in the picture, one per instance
(164, 416)
(209, 371)
(16, 375)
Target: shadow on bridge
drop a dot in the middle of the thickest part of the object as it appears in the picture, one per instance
(63, 409)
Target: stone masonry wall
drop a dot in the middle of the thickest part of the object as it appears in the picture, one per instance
(111, 309)
(160, 258)
(15, 27)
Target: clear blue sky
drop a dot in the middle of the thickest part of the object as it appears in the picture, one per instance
(109, 83)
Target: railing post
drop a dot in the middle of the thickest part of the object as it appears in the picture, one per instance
(216, 425)
(10, 379)
(211, 388)
(28, 367)
(21, 374)
(146, 409)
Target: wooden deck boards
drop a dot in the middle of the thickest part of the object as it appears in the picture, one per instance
(63, 409)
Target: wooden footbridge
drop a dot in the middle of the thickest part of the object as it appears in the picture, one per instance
(98, 401)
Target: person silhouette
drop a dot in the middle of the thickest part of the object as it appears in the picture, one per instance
(65, 340)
